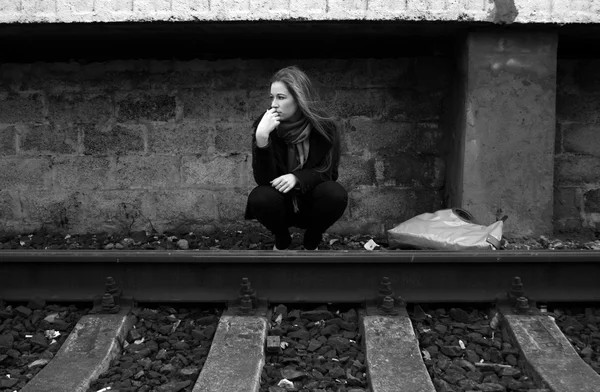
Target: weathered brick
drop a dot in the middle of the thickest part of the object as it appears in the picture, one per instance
(117, 140)
(191, 6)
(412, 105)
(385, 6)
(144, 106)
(347, 6)
(21, 108)
(362, 134)
(575, 76)
(430, 139)
(79, 108)
(187, 137)
(271, 5)
(382, 73)
(74, 6)
(9, 6)
(154, 171)
(355, 102)
(25, 174)
(391, 206)
(215, 105)
(432, 74)
(116, 211)
(581, 108)
(581, 138)
(81, 172)
(177, 207)
(231, 204)
(233, 137)
(308, 6)
(113, 5)
(10, 205)
(7, 140)
(356, 171)
(225, 6)
(576, 170)
(591, 201)
(328, 73)
(258, 103)
(151, 6)
(60, 209)
(38, 6)
(214, 172)
(48, 139)
(406, 169)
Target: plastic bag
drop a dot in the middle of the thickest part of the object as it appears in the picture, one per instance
(450, 229)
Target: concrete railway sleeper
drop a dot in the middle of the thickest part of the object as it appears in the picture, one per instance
(380, 345)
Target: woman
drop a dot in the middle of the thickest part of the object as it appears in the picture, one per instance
(295, 157)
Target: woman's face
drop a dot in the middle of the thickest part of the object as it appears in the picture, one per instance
(283, 101)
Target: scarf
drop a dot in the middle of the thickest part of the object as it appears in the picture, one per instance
(296, 136)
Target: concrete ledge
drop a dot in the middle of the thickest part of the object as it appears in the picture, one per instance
(549, 355)
(236, 356)
(87, 11)
(393, 357)
(86, 354)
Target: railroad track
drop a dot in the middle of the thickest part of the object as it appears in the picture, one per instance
(248, 283)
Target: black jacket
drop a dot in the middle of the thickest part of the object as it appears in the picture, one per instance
(270, 162)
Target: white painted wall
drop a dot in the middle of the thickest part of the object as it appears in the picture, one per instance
(67, 11)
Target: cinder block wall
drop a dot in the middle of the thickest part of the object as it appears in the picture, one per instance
(577, 170)
(165, 145)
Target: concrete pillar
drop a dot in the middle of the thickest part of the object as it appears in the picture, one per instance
(503, 155)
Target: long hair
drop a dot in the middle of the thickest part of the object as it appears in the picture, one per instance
(307, 99)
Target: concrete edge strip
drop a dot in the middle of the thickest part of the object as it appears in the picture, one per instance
(393, 357)
(236, 357)
(87, 352)
(551, 359)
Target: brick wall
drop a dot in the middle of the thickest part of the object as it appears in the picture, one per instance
(577, 170)
(144, 144)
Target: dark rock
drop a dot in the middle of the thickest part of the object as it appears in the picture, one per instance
(22, 311)
(339, 343)
(491, 387)
(337, 372)
(495, 355)
(36, 303)
(419, 314)
(317, 315)
(207, 320)
(451, 351)
(292, 374)
(39, 340)
(6, 341)
(459, 315)
(300, 334)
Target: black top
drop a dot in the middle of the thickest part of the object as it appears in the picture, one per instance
(270, 161)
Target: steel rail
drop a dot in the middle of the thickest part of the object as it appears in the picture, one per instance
(299, 276)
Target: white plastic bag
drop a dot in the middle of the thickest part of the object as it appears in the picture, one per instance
(450, 229)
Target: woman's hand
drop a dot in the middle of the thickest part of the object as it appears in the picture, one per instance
(267, 124)
(285, 183)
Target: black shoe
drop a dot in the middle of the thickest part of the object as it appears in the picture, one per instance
(282, 241)
(312, 239)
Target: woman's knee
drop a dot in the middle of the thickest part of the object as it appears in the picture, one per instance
(332, 191)
(264, 196)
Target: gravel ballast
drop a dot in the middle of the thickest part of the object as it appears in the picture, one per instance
(465, 350)
(247, 237)
(165, 351)
(30, 336)
(317, 350)
(581, 327)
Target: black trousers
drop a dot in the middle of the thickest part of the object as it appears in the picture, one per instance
(318, 210)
